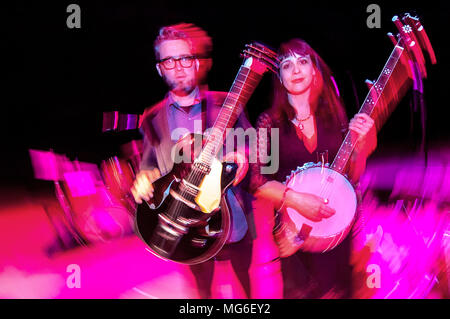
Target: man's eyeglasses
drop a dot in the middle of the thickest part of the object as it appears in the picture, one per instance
(170, 62)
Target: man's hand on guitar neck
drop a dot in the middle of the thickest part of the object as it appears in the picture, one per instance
(142, 188)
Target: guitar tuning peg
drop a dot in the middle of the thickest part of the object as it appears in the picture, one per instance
(369, 83)
(412, 44)
(420, 35)
(392, 37)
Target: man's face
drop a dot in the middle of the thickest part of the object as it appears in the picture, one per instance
(181, 80)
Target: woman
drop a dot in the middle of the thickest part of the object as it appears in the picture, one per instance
(311, 121)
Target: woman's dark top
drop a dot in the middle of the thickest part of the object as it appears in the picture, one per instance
(306, 275)
(292, 151)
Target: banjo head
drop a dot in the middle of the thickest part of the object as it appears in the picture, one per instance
(340, 195)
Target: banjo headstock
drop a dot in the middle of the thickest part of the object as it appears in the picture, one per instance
(414, 39)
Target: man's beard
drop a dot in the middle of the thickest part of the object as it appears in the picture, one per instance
(183, 86)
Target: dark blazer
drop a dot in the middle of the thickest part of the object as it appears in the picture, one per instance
(158, 144)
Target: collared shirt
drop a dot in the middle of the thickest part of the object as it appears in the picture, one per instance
(183, 121)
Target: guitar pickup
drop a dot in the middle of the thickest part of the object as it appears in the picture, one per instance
(183, 200)
(205, 169)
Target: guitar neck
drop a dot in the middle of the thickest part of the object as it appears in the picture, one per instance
(238, 96)
(375, 92)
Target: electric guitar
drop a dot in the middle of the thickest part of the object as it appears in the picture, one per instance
(187, 220)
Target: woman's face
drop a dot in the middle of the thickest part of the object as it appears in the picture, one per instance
(297, 73)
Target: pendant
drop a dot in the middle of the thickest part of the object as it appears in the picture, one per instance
(300, 126)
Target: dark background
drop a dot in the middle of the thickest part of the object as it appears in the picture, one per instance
(60, 80)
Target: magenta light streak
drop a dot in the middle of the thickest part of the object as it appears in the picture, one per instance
(407, 239)
(335, 85)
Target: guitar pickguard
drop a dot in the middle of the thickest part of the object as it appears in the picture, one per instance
(210, 190)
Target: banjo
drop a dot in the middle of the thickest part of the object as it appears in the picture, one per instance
(293, 231)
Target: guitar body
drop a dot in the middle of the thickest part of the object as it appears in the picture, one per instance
(179, 226)
(295, 232)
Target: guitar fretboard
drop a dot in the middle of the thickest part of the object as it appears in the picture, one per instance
(375, 92)
(240, 92)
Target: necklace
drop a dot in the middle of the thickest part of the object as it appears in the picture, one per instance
(298, 122)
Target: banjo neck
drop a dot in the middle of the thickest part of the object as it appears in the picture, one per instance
(372, 98)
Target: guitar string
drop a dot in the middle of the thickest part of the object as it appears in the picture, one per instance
(197, 173)
(231, 113)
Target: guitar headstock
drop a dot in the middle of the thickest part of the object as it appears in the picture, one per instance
(260, 58)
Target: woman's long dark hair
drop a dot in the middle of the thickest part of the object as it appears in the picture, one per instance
(324, 101)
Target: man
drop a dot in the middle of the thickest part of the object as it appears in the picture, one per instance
(185, 106)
